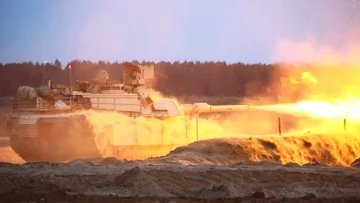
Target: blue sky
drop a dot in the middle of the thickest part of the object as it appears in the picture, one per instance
(248, 31)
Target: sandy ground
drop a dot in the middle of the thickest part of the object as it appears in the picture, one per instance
(7, 154)
(173, 179)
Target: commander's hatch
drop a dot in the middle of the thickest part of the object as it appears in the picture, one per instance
(138, 75)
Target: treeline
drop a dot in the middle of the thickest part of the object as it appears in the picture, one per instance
(172, 79)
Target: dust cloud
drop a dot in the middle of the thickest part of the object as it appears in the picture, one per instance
(253, 135)
(321, 125)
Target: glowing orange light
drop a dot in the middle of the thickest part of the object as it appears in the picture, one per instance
(308, 78)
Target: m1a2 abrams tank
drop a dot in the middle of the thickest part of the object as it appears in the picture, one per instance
(52, 124)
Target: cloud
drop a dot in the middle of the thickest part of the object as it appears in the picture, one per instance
(308, 51)
(100, 39)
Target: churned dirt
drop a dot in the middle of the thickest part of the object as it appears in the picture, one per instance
(7, 154)
(184, 175)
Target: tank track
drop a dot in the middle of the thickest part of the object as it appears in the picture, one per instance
(132, 152)
(34, 149)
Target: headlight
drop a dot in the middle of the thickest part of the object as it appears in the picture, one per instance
(6, 121)
(82, 118)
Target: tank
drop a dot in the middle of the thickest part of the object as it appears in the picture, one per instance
(52, 123)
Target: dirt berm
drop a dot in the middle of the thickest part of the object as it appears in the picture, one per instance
(188, 174)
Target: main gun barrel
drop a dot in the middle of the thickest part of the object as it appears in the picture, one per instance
(206, 108)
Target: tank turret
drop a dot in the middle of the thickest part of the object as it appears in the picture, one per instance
(133, 97)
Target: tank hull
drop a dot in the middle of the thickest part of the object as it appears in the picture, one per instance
(32, 149)
(62, 139)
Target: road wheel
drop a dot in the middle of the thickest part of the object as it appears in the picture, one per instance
(103, 145)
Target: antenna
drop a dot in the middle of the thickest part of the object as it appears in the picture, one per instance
(44, 63)
(44, 50)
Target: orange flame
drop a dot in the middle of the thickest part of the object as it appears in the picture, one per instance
(307, 77)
